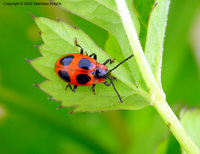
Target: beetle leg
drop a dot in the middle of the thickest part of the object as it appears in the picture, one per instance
(86, 53)
(66, 86)
(94, 55)
(81, 50)
(114, 78)
(106, 61)
(111, 78)
(93, 89)
(106, 83)
(74, 89)
(69, 85)
(109, 60)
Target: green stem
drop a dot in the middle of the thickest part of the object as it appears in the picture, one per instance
(175, 126)
(157, 95)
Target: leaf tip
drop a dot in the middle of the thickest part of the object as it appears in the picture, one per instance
(51, 98)
(37, 85)
(32, 16)
(75, 27)
(73, 111)
(59, 19)
(37, 46)
(59, 106)
(29, 61)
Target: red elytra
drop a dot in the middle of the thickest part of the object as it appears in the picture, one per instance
(70, 66)
(83, 70)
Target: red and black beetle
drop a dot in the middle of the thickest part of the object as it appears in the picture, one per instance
(83, 70)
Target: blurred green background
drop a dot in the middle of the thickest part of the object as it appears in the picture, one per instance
(30, 123)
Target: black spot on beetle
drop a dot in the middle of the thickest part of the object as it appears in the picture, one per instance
(64, 75)
(85, 63)
(82, 78)
(65, 61)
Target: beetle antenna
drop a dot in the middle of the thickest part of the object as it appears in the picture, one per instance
(115, 90)
(120, 63)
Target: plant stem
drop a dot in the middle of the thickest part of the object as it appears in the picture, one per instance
(157, 95)
(175, 126)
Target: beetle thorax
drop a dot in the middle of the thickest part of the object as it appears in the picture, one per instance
(100, 73)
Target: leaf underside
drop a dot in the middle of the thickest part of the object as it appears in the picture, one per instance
(59, 40)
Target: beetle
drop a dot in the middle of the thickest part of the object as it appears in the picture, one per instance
(84, 70)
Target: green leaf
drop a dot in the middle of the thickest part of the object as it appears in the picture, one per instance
(190, 119)
(59, 36)
(59, 40)
(143, 8)
(155, 37)
(112, 48)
